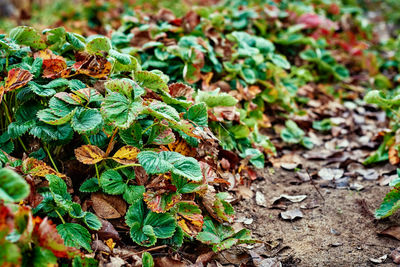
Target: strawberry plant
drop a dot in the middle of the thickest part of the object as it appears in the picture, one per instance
(86, 99)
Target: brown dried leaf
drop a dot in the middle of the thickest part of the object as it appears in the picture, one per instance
(108, 207)
(89, 154)
(394, 158)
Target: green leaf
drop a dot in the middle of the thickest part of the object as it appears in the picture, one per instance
(390, 204)
(121, 111)
(112, 182)
(161, 110)
(75, 40)
(133, 135)
(133, 193)
(222, 236)
(42, 257)
(92, 221)
(90, 186)
(125, 86)
(147, 260)
(57, 186)
(198, 114)
(240, 131)
(280, 61)
(147, 226)
(97, 44)
(75, 235)
(292, 134)
(323, 125)
(24, 35)
(58, 112)
(13, 188)
(122, 58)
(150, 80)
(87, 121)
(163, 224)
(256, 157)
(10, 254)
(165, 161)
(216, 99)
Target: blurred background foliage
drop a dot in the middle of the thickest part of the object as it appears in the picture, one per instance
(72, 13)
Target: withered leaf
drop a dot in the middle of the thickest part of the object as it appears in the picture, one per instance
(53, 65)
(89, 154)
(126, 155)
(39, 168)
(108, 207)
(16, 78)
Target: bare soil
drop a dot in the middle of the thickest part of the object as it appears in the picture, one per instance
(338, 227)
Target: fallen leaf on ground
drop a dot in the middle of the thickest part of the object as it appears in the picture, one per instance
(379, 260)
(108, 207)
(291, 214)
(330, 174)
(392, 231)
(294, 199)
(260, 199)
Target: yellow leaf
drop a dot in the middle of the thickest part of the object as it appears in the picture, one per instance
(110, 243)
(89, 154)
(39, 168)
(126, 155)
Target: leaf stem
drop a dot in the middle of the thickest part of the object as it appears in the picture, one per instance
(109, 147)
(59, 215)
(127, 165)
(145, 130)
(51, 159)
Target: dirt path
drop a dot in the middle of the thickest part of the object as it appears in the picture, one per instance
(337, 227)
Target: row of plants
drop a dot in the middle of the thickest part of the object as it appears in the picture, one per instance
(152, 106)
(76, 97)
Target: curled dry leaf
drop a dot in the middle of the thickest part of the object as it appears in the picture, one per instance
(108, 207)
(89, 154)
(126, 155)
(107, 231)
(16, 78)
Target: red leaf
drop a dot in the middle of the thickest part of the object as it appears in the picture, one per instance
(47, 237)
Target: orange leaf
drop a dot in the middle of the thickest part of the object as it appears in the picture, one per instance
(16, 78)
(182, 147)
(126, 155)
(53, 65)
(92, 65)
(394, 155)
(89, 154)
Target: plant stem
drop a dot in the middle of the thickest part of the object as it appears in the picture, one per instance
(10, 121)
(6, 109)
(51, 159)
(22, 144)
(59, 215)
(145, 130)
(109, 147)
(127, 165)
